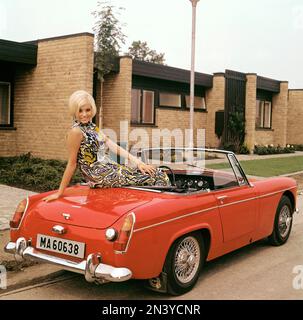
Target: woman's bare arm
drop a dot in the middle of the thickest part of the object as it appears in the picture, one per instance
(73, 144)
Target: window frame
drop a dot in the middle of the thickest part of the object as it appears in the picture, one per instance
(183, 106)
(10, 111)
(170, 93)
(260, 103)
(157, 105)
(141, 107)
(195, 108)
(137, 108)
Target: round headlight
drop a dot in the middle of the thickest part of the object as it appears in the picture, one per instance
(111, 234)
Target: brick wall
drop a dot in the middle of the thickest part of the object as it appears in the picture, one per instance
(250, 110)
(98, 101)
(279, 115)
(8, 143)
(215, 101)
(171, 123)
(116, 107)
(65, 64)
(295, 117)
(116, 98)
(264, 137)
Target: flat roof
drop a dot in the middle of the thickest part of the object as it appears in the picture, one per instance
(263, 83)
(66, 36)
(268, 84)
(17, 52)
(163, 72)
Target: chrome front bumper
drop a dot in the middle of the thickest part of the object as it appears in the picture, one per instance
(91, 268)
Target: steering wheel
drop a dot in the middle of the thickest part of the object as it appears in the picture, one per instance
(172, 174)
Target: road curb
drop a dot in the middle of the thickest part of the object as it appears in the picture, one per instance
(34, 281)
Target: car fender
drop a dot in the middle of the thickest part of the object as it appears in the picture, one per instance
(195, 228)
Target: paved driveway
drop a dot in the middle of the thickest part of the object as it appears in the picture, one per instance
(9, 199)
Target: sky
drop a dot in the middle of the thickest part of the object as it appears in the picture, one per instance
(250, 36)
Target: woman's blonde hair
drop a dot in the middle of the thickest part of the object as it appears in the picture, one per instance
(78, 99)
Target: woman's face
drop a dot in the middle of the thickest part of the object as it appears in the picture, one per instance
(85, 113)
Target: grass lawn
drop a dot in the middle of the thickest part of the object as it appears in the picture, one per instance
(269, 167)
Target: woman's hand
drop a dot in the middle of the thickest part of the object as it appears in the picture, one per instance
(146, 168)
(52, 197)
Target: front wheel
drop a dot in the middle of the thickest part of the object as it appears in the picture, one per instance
(184, 262)
(283, 222)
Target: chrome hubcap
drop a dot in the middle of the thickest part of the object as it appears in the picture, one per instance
(187, 259)
(285, 219)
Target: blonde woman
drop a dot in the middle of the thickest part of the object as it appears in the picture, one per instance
(86, 148)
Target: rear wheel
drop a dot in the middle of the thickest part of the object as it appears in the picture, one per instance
(283, 223)
(184, 262)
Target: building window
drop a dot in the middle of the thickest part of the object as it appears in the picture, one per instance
(148, 107)
(5, 109)
(199, 102)
(263, 114)
(136, 109)
(169, 99)
(142, 107)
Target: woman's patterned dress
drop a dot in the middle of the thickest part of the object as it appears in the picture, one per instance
(101, 171)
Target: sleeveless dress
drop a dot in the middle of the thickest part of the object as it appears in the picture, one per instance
(99, 170)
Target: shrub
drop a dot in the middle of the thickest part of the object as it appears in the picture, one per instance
(244, 149)
(298, 147)
(271, 149)
(228, 146)
(35, 174)
(236, 128)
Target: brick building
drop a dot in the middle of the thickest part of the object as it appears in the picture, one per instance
(37, 78)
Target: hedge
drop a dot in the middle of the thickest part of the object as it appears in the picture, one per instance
(34, 174)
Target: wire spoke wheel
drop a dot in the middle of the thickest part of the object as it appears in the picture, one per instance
(284, 223)
(183, 263)
(187, 259)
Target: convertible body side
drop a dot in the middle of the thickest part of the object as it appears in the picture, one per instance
(228, 219)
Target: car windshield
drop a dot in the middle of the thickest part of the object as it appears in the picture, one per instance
(187, 159)
(221, 166)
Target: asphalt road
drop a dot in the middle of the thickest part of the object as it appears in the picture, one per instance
(258, 271)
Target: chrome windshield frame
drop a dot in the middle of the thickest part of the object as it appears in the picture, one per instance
(145, 151)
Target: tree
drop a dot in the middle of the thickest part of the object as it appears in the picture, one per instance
(108, 37)
(140, 50)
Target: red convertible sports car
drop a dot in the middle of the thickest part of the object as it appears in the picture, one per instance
(161, 234)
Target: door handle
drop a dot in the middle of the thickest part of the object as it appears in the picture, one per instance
(221, 199)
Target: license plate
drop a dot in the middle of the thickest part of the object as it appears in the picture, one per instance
(64, 246)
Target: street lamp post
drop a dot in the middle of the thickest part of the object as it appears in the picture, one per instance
(192, 74)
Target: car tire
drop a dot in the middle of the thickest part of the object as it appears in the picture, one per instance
(183, 263)
(283, 223)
